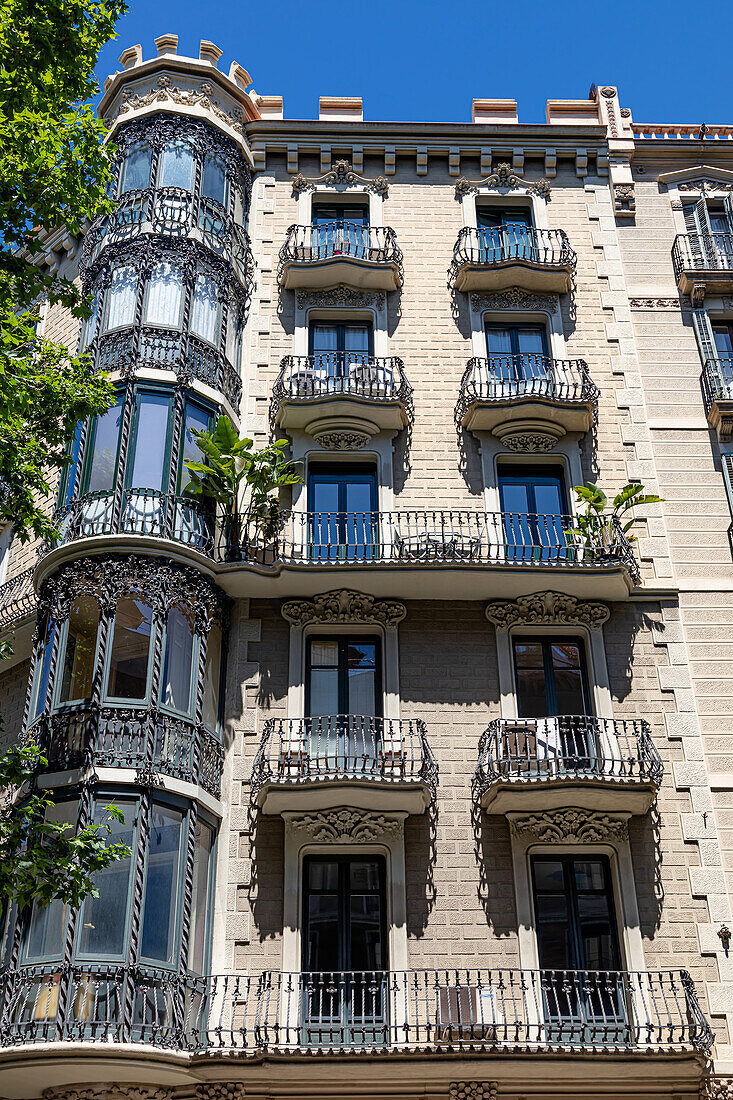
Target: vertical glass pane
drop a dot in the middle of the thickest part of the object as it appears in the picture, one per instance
(205, 312)
(324, 677)
(213, 185)
(549, 499)
(103, 920)
(723, 336)
(150, 442)
(128, 669)
(176, 169)
(204, 845)
(324, 496)
(42, 671)
(361, 680)
(357, 338)
(212, 678)
(160, 908)
(365, 915)
(164, 293)
(195, 419)
(77, 670)
(69, 475)
(498, 341)
(121, 298)
(135, 175)
(323, 338)
(90, 325)
(568, 678)
(322, 939)
(359, 495)
(106, 434)
(531, 340)
(234, 341)
(48, 923)
(176, 686)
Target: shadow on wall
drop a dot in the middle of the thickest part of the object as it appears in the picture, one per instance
(469, 462)
(621, 633)
(647, 857)
(492, 848)
(267, 848)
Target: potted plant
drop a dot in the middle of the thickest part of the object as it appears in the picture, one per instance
(597, 528)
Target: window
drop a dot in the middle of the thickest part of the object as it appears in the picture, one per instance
(42, 672)
(214, 182)
(342, 503)
(212, 679)
(135, 170)
(340, 350)
(343, 696)
(127, 676)
(516, 352)
(550, 676)
(177, 660)
(234, 338)
(150, 442)
(202, 884)
(159, 937)
(340, 229)
(205, 312)
(196, 418)
(45, 934)
(89, 327)
(101, 451)
(68, 474)
(103, 920)
(120, 299)
(534, 508)
(176, 166)
(356, 213)
(504, 233)
(710, 228)
(723, 337)
(164, 297)
(79, 650)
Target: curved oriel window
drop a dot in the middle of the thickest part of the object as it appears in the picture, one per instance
(176, 166)
(205, 311)
(127, 675)
(135, 169)
(164, 296)
(121, 298)
(79, 650)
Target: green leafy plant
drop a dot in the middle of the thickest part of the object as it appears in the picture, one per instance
(229, 465)
(600, 524)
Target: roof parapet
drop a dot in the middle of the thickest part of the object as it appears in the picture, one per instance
(166, 45)
(496, 111)
(333, 108)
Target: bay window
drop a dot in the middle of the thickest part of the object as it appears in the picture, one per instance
(127, 673)
(176, 166)
(135, 169)
(120, 299)
(205, 311)
(177, 660)
(103, 920)
(79, 648)
(164, 296)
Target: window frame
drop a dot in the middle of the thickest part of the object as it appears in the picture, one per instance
(141, 391)
(547, 641)
(514, 327)
(337, 475)
(343, 641)
(528, 472)
(185, 810)
(118, 701)
(344, 859)
(192, 678)
(161, 326)
(567, 859)
(56, 706)
(121, 396)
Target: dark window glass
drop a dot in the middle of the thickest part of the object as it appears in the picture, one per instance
(103, 920)
(342, 503)
(77, 668)
(176, 168)
(723, 335)
(102, 460)
(342, 676)
(177, 658)
(490, 217)
(68, 479)
(203, 848)
(151, 442)
(576, 925)
(357, 213)
(47, 925)
(42, 673)
(160, 907)
(135, 175)
(533, 504)
(128, 667)
(339, 350)
(551, 677)
(344, 915)
(212, 678)
(213, 184)
(198, 419)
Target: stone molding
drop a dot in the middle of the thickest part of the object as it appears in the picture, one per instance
(340, 296)
(342, 174)
(571, 825)
(514, 298)
(705, 184)
(341, 441)
(546, 607)
(165, 92)
(660, 303)
(504, 177)
(346, 825)
(107, 1092)
(716, 1088)
(344, 605)
(534, 442)
(473, 1090)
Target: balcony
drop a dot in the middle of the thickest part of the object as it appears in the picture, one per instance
(527, 401)
(389, 553)
(528, 764)
(17, 600)
(172, 212)
(362, 256)
(131, 737)
(129, 349)
(717, 388)
(341, 398)
(317, 763)
(515, 255)
(703, 263)
(431, 1013)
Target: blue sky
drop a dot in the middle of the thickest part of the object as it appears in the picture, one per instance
(426, 61)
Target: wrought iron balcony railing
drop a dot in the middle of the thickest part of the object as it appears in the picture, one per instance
(505, 378)
(172, 212)
(522, 244)
(17, 599)
(131, 737)
(717, 381)
(363, 539)
(341, 747)
(701, 252)
(433, 1011)
(128, 349)
(147, 512)
(567, 747)
(341, 374)
(375, 244)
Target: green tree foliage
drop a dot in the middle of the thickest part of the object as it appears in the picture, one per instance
(54, 172)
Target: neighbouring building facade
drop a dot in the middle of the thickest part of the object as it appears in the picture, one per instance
(428, 786)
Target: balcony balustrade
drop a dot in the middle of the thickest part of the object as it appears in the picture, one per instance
(430, 1012)
(341, 392)
(310, 763)
(579, 760)
(129, 349)
(172, 212)
(363, 256)
(514, 396)
(717, 388)
(132, 737)
(703, 260)
(512, 255)
(17, 600)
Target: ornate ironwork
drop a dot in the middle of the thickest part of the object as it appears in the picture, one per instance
(17, 599)
(523, 751)
(507, 378)
(388, 751)
(348, 1012)
(548, 249)
(717, 381)
(702, 252)
(372, 244)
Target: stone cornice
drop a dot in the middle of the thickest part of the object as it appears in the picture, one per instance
(546, 608)
(344, 606)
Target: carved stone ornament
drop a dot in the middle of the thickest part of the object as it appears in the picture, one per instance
(624, 199)
(533, 442)
(107, 1092)
(572, 825)
(505, 178)
(344, 606)
(514, 298)
(342, 441)
(473, 1090)
(705, 184)
(346, 825)
(546, 607)
(340, 296)
(342, 174)
(660, 303)
(165, 92)
(716, 1088)
(220, 1090)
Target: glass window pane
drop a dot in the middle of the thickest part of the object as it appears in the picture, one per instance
(150, 442)
(357, 338)
(90, 325)
(121, 298)
(364, 875)
(324, 653)
(103, 920)
(213, 185)
(136, 170)
(160, 910)
(366, 932)
(323, 875)
(195, 419)
(532, 699)
(324, 691)
(176, 686)
(589, 875)
(322, 945)
(128, 669)
(498, 341)
(723, 335)
(106, 435)
(176, 169)
(529, 655)
(549, 875)
(42, 671)
(212, 678)
(553, 932)
(77, 670)
(205, 312)
(323, 338)
(164, 294)
(203, 847)
(531, 340)
(47, 926)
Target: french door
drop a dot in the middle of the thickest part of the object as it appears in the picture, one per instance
(340, 352)
(504, 234)
(344, 995)
(343, 702)
(517, 355)
(534, 511)
(340, 230)
(342, 505)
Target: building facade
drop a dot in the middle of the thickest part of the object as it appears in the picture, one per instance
(428, 786)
